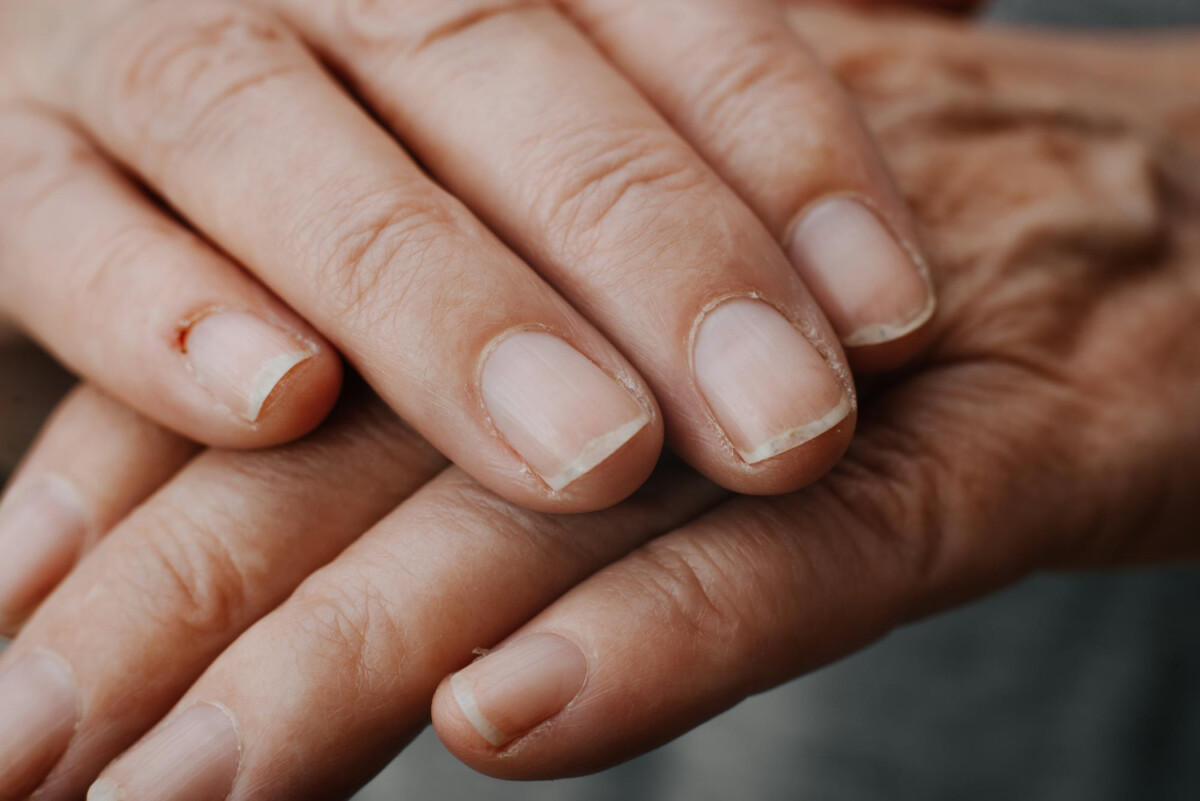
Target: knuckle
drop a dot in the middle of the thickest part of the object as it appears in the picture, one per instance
(37, 156)
(689, 586)
(350, 623)
(417, 26)
(185, 574)
(759, 61)
(170, 70)
(382, 248)
(611, 179)
(104, 272)
(887, 497)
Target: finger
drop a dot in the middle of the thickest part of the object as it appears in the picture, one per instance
(955, 6)
(123, 295)
(94, 461)
(736, 82)
(225, 541)
(319, 695)
(564, 158)
(206, 101)
(925, 511)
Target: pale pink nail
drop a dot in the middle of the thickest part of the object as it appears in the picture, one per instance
(241, 359)
(512, 690)
(39, 710)
(193, 757)
(557, 409)
(42, 528)
(768, 387)
(867, 284)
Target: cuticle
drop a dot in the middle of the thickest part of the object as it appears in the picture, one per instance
(810, 333)
(910, 248)
(551, 721)
(183, 330)
(69, 669)
(488, 349)
(186, 323)
(237, 734)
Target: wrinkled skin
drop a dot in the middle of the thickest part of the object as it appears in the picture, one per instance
(1059, 188)
(1052, 422)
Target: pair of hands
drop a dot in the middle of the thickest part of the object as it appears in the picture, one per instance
(611, 250)
(1061, 208)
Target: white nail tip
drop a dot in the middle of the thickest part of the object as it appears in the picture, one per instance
(596, 452)
(799, 435)
(466, 702)
(274, 371)
(878, 334)
(105, 790)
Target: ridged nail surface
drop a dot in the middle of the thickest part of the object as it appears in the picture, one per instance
(241, 359)
(42, 527)
(513, 689)
(193, 757)
(866, 282)
(555, 407)
(767, 385)
(39, 710)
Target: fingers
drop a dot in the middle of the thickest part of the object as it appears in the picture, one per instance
(220, 107)
(569, 163)
(770, 119)
(955, 6)
(925, 511)
(94, 461)
(315, 699)
(225, 541)
(122, 294)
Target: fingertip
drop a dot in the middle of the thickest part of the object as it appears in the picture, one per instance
(585, 428)
(791, 470)
(266, 380)
(454, 728)
(610, 481)
(894, 353)
(300, 399)
(498, 757)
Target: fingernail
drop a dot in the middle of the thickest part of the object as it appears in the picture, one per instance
(511, 690)
(192, 758)
(39, 710)
(241, 360)
(558, 410)
(42, 527)
(768, 387)
(868, 285)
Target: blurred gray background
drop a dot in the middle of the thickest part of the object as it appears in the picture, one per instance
(1063, 688)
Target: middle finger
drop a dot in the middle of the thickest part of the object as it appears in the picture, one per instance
(220, 545)
(512, 107)
(220, 108)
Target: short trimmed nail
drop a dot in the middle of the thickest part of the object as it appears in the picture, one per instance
(512, 690)
(241, 360)
(39, 710)
(42, 527)
(865, 281)
(558, 410)
(766, 384)
(192, 758)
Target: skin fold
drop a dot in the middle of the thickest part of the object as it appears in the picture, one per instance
(1050, 424)
(542, 263)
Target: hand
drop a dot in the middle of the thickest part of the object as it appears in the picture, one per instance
(545, 157)
(943, 497)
